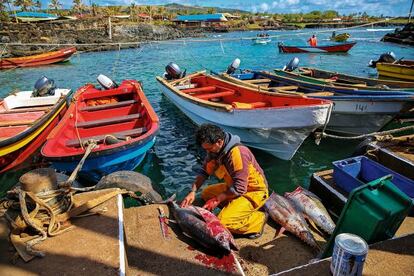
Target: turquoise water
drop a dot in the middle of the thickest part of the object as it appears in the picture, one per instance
(173, 160)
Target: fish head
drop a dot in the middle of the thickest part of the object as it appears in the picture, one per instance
(222, 240)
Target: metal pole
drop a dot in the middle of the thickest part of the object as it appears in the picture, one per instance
(110, 28)
(411, 9)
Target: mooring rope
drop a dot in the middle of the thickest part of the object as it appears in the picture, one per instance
(320, 135)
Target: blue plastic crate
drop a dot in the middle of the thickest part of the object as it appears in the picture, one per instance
(356, 171)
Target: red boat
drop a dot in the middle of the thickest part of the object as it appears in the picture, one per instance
(333, 48)
(120, 120)
(25, 122)
(37, 60)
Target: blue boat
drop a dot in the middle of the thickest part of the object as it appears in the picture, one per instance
(352, 113)
(118, 120)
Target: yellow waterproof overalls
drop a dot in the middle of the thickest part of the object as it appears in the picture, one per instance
(240, 215)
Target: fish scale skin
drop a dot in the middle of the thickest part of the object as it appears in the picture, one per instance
(206, 232)
(285, 214)
(309, 204)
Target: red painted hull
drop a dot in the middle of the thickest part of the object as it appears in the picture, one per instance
(123, 113)
(38, 60)
(19, 142)
(18, 157)
(335, 48)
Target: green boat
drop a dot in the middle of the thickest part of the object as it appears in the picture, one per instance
(323, 77)
(340, 37)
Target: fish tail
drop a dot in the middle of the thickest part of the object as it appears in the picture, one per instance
(168, 200)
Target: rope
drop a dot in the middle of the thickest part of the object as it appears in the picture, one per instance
(318, 140)
(321, 135)
(91, 145)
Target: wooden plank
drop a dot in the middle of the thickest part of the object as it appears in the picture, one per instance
(108, 106)
(108, 121)
(205, 89)
(316, 94)
(216, 95)
(288, 87)
(256, 81)
(100, 138)
(29, 109)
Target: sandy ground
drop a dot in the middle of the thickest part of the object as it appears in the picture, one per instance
(90, 248)
(149, 254)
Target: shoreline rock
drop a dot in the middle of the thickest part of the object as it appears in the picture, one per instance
(90, 31)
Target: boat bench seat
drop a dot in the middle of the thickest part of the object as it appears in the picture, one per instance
(109, 121)
(253, 105)
(108, 106)
(205, 89)
(288, 87)
(100, 138)
(216, 95)
(257, 81)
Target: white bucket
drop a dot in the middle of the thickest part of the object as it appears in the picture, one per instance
(349, 255)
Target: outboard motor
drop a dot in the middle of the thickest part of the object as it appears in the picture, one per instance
(388, 57)
(233, 66)
(106, 82)
(173, 71)
(291, 65)
(44, 87)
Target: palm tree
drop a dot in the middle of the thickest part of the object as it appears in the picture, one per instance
(24, 4)
(77, 6)
(55, 4)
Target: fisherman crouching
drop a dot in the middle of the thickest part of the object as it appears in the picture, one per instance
(244, 190)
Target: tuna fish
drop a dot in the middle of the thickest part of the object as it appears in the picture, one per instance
(312, 207)
(203, 226)
(284, 213)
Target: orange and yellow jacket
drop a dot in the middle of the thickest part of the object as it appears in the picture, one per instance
(236, 164)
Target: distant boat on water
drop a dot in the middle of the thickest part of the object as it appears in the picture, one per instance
(37, 60)
(329, 48)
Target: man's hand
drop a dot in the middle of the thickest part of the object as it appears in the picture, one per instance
(215, 201)
(188, 200)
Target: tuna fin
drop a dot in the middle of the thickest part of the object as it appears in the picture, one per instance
(279, 233)
(168, 200)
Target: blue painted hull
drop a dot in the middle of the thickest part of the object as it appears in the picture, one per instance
(98, 165)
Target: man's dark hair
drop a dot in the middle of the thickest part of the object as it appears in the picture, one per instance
(208, 133)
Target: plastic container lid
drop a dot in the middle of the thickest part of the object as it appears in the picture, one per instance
(352, 244)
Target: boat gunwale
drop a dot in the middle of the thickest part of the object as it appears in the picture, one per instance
(228, 107)
(110, 149)
(37, 124)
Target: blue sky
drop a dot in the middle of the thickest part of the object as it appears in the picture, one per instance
(372, 7)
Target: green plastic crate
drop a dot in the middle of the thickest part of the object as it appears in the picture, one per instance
(373, 211)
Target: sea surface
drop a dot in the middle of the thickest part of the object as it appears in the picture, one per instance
(172, 163)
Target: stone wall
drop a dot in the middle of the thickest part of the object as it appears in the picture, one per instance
(82, 32)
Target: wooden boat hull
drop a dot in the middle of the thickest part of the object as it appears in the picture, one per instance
(262, 41)
(310, 86)
(334, 78)
(334, 48)
(279, 132)
(351, 115)
(397, 71)
(19, 142)
(341, 37)
(97, 166)
(38, 60)
(130, 119)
